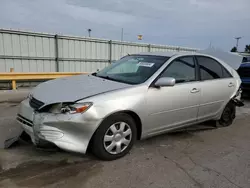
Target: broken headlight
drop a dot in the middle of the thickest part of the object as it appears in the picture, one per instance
(72, 108)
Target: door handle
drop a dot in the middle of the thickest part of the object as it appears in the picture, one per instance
(194, 90)
(230, 84)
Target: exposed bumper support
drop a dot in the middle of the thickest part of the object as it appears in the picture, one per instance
(238, 102)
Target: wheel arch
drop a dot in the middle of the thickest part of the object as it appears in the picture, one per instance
(137, 120)
(218, 116)
(133, 115)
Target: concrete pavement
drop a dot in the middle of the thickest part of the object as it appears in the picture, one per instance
(13, 96)
(9, 100)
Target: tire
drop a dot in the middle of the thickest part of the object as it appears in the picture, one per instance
(101, 148)
(228, 115)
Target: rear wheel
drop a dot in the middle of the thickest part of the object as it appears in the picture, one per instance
(115, 137)
(228, 115)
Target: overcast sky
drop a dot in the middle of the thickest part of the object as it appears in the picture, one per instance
(191, 23)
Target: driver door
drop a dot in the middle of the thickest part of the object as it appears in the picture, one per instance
(173, 106)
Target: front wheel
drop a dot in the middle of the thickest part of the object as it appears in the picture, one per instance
(228, 115)
(115, 137)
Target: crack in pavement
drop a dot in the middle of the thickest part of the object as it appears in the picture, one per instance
(196, 164)
(197, 184)
(186, 147)
(202, 166)
(212, 170)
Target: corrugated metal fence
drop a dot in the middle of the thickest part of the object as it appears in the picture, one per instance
(40, 52)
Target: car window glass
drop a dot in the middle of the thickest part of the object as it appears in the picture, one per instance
(129, 67)
(209, 68)
(182, 69)
(225, 73)
(133, 69)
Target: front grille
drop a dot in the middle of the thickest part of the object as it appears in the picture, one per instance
(24, 120)
(36, 104)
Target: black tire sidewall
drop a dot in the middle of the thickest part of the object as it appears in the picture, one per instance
(229, 107)
(97, 141)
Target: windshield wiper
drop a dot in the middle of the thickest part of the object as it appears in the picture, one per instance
(106, 77)
(112, 79)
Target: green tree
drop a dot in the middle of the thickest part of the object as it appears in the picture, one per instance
(234, 49)
(247, 48)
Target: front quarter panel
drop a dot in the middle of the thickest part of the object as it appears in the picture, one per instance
(104, 105)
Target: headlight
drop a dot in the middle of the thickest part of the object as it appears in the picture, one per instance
(75, 108)
(70, 108)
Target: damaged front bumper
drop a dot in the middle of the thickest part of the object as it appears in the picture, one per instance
(71, 132)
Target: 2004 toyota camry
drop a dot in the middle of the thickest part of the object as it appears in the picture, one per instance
(138, 96)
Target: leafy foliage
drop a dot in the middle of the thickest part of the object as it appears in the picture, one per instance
(234, 49)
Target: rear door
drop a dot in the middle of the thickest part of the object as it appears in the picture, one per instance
(217, 85)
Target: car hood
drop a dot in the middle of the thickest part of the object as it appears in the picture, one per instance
(73, 88)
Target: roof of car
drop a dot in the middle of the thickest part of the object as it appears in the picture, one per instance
(231, 59)
(167, 54)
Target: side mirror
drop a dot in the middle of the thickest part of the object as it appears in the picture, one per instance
(165, 81)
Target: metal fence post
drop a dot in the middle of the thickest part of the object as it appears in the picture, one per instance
(149, 48)
(110, 51)
(13, 82)
(56, 53)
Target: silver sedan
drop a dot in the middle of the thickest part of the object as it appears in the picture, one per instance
(136, 97)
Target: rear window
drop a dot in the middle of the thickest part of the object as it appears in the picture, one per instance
(211, 69)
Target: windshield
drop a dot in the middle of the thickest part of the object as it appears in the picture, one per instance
(134, 69)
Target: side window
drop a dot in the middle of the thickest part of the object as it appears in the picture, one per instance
(209, 68)
(225, 73)
(182, 69)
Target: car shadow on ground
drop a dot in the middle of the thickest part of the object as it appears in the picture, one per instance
(181, 134)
